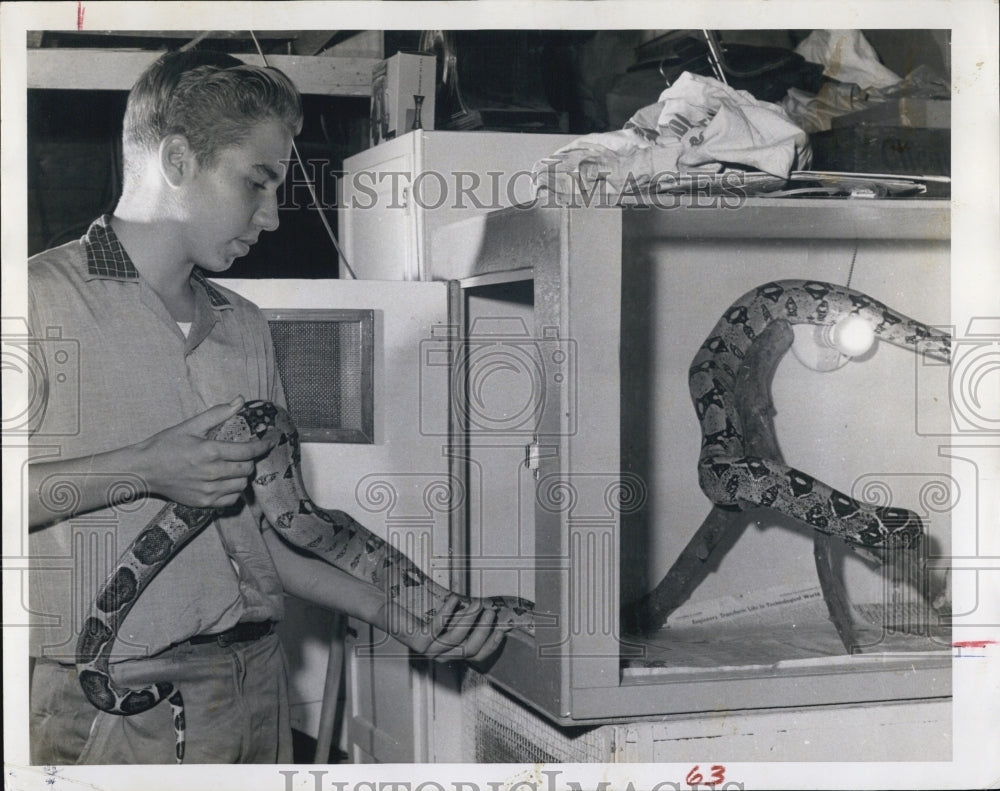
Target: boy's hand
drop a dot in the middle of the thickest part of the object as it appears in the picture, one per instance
(457, 631)
(179, 463)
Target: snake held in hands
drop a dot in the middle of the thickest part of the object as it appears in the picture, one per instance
(332, 535)
(728, 475)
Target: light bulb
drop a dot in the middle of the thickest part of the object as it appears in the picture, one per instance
(852, 336)
(827, 348)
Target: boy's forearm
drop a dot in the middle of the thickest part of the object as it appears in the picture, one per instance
(64, 488)
(456, 631)
(321, 583)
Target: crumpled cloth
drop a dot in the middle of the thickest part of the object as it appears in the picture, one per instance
(699, 123)
(921, 83)
(815, 112)
(847, 56)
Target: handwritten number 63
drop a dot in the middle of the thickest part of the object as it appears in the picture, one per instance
(695, 777)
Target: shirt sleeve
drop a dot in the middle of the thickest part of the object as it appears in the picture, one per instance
(276, 391)
(43, 351)
(36, 371)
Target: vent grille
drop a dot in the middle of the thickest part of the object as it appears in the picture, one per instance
(504, 731)
(326, 362)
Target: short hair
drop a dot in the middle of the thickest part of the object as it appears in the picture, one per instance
(211, 98)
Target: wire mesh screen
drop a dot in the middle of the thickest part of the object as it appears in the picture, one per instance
(497, 729)
(326, 361)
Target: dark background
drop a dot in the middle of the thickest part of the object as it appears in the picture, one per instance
(590, 81)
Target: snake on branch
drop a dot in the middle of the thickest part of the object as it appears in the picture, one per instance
(729, 476)
(332, 535)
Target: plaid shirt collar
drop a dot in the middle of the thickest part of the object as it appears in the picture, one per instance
(107, 259)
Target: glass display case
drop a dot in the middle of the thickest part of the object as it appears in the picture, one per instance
(580, 444)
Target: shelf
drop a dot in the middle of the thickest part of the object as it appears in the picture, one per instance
(498, 278)
(798, 218)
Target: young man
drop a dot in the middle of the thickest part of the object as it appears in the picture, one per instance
(165, 356)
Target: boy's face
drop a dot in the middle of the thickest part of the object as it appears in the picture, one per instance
(230, 203)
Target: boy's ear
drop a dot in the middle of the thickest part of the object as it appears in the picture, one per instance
(177, 160)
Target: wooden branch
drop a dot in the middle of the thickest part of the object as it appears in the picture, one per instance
(719, 531)
(721, 528)
(834, 593)
(697, 560)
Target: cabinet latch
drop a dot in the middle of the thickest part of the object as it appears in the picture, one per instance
(533, 456)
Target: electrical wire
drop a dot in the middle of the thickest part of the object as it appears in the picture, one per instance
(195, 41)
(854, 258)
(309, 185)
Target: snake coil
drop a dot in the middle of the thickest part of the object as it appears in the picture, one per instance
(331, 535)
(730, 477)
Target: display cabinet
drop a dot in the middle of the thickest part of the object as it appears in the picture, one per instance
(580, 446)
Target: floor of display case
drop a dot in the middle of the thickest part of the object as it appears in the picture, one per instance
(784, 629)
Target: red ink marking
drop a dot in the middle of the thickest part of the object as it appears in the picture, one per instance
(80, 11)
(973, 643)
(695, 777)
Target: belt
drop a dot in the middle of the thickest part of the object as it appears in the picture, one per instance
(244, 632)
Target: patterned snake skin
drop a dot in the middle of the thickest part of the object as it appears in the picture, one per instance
(277, 486)
(730, 477)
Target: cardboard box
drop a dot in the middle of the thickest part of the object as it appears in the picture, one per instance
(403, 89)
(896, 150)
(913, 113)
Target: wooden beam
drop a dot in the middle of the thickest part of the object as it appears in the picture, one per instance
(310, 42)
(116, 70)
(364, 44)
(270, 35)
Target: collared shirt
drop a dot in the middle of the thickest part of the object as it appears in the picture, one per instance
(115, 369)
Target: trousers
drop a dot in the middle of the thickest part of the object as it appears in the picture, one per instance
(235, 700)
